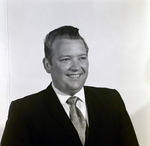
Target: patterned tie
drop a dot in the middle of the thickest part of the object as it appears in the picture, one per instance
(77, 118)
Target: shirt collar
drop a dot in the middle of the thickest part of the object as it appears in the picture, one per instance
(63, 97)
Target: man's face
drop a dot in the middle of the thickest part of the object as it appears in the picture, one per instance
(69, 68)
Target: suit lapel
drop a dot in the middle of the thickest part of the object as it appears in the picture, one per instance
(95, 115)
(57, 111)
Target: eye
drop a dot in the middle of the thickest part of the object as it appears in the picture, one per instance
(65, 59)
(83, 58)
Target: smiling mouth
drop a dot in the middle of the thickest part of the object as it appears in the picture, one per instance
(74, 76)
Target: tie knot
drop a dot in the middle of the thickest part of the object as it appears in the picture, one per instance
(72, 100)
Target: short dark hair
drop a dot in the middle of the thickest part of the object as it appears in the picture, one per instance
(64, 32)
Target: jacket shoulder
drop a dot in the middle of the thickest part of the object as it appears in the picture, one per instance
(100, 89)
(102, 93)
(30, 98)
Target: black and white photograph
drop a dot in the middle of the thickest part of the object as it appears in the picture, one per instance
(75, 73)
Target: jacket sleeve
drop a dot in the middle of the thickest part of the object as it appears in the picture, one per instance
(127, 136)
(16, 131)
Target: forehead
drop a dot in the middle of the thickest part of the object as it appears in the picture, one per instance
(61, 45)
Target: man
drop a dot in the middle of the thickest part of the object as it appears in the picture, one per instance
(68, 113)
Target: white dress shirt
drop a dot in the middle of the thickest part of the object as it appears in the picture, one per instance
(80, 103)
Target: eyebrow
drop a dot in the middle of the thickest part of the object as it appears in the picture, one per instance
(73, 55)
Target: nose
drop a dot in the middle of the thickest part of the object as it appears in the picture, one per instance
(75, 66)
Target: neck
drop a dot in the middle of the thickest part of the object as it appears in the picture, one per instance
(70, 93)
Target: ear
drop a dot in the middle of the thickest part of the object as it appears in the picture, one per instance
(47, 65)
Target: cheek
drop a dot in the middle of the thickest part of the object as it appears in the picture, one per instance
(59, 71)
(85, 67)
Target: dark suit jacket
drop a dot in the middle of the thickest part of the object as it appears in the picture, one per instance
(40, 120)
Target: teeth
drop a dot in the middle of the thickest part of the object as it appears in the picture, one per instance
(74, 76)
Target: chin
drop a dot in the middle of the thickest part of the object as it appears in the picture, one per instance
(76, 88)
